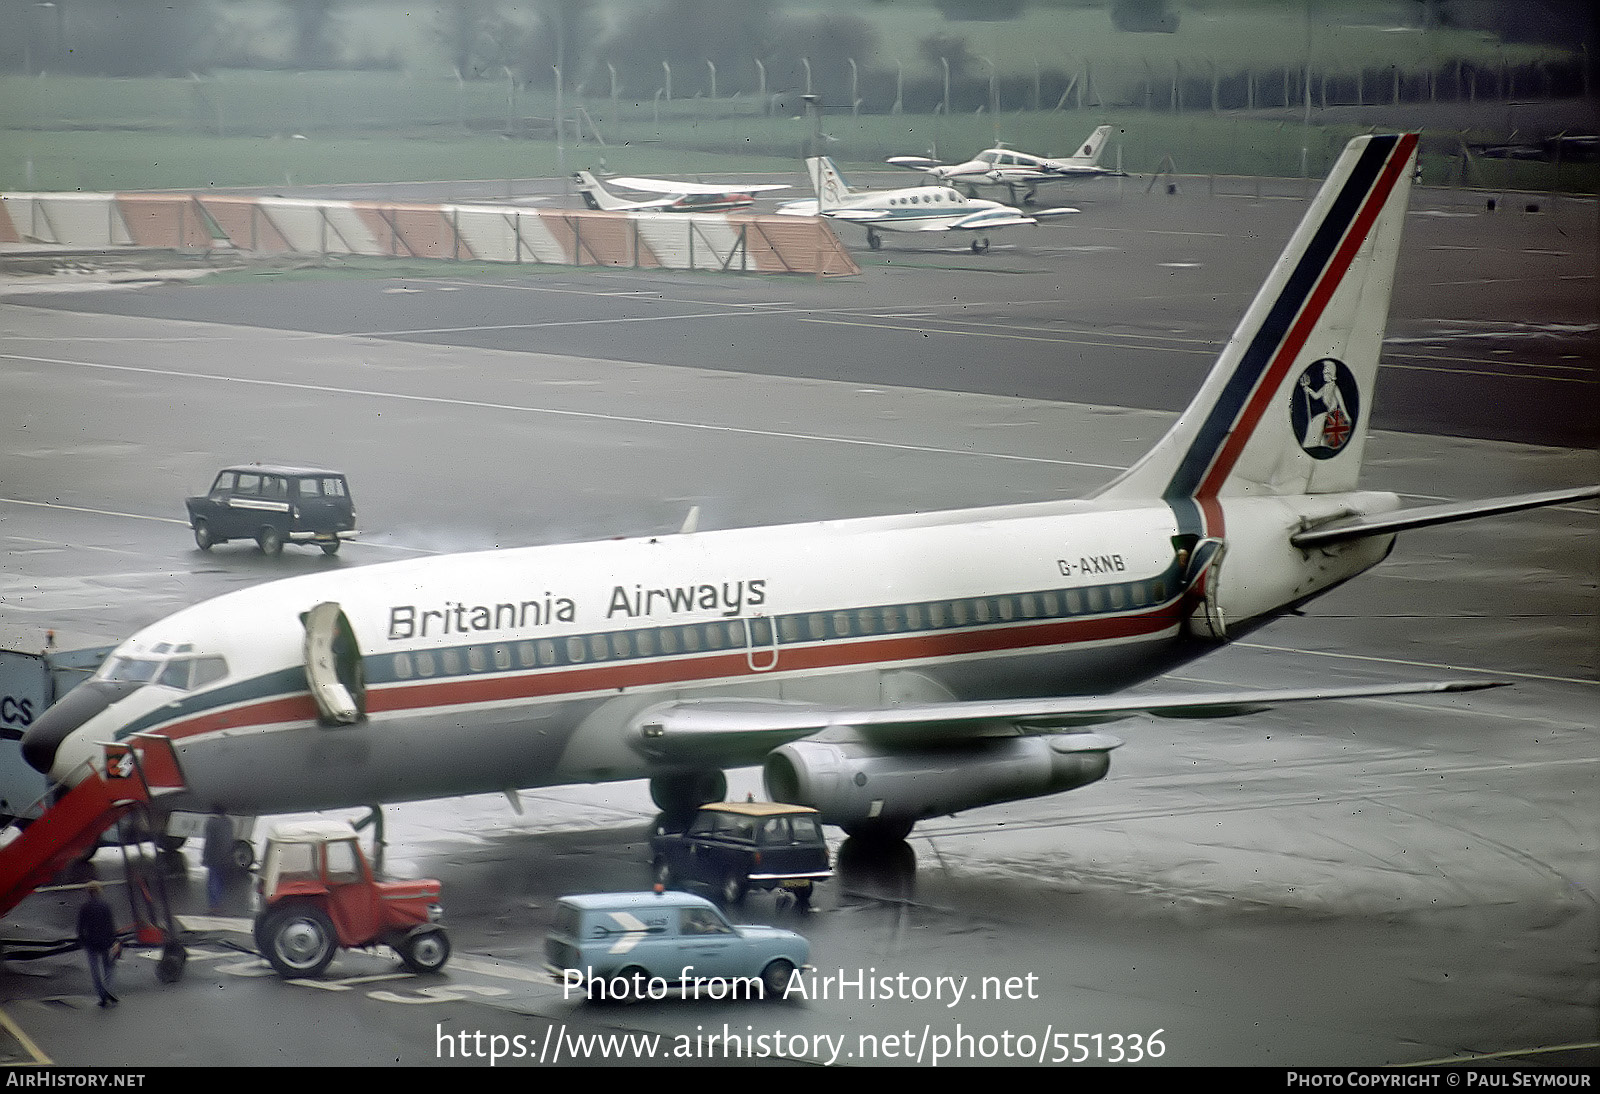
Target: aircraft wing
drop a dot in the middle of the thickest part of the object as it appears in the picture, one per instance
(914, 163)
(1346, 528)
(668, 186)
(725, 729)
(993, 218)
(859, 216)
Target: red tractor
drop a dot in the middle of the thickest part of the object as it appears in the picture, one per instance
(318, 894)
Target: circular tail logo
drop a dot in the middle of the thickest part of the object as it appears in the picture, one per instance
(1325, 406)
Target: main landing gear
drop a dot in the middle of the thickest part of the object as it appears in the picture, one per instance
(874, 240)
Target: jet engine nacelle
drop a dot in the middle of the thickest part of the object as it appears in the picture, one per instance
(866, 790)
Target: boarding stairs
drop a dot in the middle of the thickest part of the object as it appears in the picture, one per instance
(135, 774)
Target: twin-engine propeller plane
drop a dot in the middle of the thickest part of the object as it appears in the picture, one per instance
(882, 670)
(910, 209)
(1013, 169)
(680, 197)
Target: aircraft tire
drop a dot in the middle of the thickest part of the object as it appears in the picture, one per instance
(299, 941)
(678, 796)
(980, 246)
(879, 832)
(874, 240)
(425, 949)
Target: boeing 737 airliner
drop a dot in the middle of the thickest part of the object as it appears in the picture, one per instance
(883, 670)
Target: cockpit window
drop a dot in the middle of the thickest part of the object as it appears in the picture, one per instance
(175, 675)
(183, 673)
(139, 670)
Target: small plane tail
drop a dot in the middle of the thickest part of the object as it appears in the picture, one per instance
(1088, 155)
(596, 196)
(828, 182)
(1286, 406)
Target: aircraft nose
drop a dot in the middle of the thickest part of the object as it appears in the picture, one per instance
(43, 738)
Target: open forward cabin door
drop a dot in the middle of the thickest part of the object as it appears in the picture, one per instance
(333, 666)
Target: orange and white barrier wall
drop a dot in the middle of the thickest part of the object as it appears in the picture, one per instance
(740, 242)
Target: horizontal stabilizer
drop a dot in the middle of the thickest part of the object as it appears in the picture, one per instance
(693, 729)
(1348, 528)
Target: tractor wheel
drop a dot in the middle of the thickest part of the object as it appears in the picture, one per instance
(299, 941)
(425, 949)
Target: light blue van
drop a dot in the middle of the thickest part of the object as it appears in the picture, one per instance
(633, 946)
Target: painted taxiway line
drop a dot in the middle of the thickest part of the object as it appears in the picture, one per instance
(585, 415)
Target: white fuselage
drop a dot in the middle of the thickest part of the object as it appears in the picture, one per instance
(910, 209)
(529, 667)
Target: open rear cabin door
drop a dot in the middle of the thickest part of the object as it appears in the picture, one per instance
(333, 666)
(1202, 581)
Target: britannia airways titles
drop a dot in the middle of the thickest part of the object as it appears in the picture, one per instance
(728, 598)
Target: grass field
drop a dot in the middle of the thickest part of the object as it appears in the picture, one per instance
(1196, 143)
(418, 123)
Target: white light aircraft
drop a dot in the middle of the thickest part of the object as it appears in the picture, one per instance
(884, 670)
(681, 197)
(911, 209)
(1013, 169)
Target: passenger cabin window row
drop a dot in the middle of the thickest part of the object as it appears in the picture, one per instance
(757, 634)
(926, 197)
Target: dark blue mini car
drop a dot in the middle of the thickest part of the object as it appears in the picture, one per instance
(733, 847)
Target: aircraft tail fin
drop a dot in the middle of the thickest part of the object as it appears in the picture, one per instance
(828, 182)
(1285, 408)
(1089, 154)
(596, 196)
